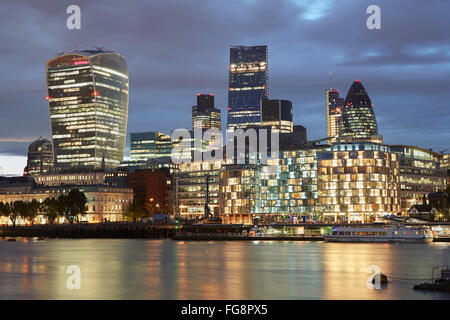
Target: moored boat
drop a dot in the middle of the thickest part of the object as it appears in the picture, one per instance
(382, 233)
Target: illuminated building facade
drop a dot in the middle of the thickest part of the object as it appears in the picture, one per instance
(357, 120)
(190, 188)
(204, 114)
(358, 182)
(149, 145)
(334, 106)
(248, 85)
(72, 179)
(239, 186)
(103, 202)
(285, 188)
(420, 174)
(288, 185)
(40, 157)
(277, 114)
(445, 163)
(88, 102)
(183, 150)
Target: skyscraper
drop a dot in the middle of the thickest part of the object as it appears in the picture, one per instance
(248, 84)
(334, 106)
(88, 102)
(277, 114)
(205, 113)
(358, 119)
(40, 157)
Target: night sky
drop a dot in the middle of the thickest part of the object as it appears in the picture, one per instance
(176, 49)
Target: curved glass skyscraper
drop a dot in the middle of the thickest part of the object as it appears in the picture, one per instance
(88, 102)
(357, 119)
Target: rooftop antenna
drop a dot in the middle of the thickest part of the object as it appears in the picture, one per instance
(331, 80)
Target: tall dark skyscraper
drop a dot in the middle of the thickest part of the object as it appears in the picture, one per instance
(248, 84)
(277, 114)
(205, 113)
(334, 105)
(88, 102)
(358, 119)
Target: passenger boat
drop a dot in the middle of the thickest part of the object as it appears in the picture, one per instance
(382, 233)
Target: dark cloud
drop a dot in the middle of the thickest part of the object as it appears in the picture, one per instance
(176, 49)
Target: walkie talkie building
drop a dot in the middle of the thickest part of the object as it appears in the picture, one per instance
(88, 103)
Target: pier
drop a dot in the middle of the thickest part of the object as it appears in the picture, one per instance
(185, 232)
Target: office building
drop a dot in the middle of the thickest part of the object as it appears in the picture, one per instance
(88, 102)
(284, 188)
(334, 106)
(103, 202)
(295, 139)
(358, 119)
(152, 188)
(358, 182)
(277, 114)
(248, 85)
(420, 174)
(190, 188)
(40, 157)
(149, 145)
(445, 163)
(204, 114)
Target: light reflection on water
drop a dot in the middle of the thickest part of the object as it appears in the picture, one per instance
(165, 269)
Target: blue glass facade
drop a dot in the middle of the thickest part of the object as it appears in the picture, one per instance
(248, 84)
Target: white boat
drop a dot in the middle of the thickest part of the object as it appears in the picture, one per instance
(382, 233)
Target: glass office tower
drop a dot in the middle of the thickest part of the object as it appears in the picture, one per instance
(88, 102)
(277, 114)
(334, 106)
(358, 119)
(248, 84)
(149, 145)
(204, 113)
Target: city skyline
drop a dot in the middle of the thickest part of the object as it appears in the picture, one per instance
(412, 80)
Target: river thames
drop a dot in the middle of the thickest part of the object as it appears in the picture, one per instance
(166, 269)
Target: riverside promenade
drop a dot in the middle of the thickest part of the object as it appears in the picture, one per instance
(91, 230)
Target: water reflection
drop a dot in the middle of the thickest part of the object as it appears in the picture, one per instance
(164, 269)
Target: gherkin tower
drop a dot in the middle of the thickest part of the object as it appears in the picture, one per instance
(358, 119)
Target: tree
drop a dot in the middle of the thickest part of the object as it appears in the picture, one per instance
(5, 209)
(18, 209)
(77, 203)
(62, 206)
(72, 205)
(135, 210)
(31, 210)
(50, 209)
